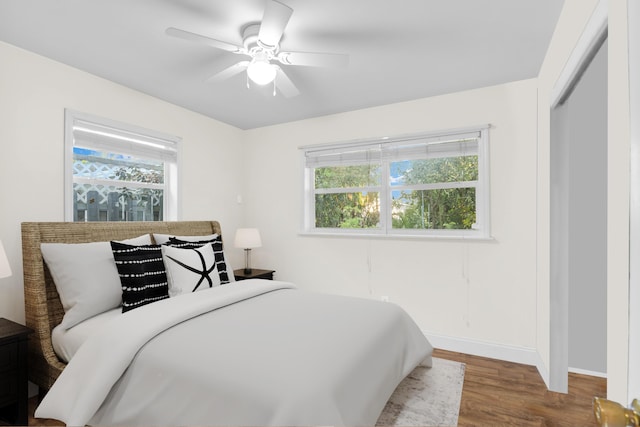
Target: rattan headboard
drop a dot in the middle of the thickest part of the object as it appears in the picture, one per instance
(43, 309)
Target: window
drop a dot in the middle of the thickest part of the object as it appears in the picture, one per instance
(420, 185)
(118, 172)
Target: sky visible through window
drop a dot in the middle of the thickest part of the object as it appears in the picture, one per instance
(397, 172)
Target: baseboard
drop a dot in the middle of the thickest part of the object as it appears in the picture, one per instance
(523, 355)
(587, 372)
(515, 354)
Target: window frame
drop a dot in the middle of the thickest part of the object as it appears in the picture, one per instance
(141, 142)
(482, 226)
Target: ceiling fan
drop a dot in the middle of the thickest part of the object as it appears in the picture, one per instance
(261, 44)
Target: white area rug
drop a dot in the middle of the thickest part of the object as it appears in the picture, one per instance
(427, 397)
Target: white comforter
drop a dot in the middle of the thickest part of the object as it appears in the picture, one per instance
(252, 353)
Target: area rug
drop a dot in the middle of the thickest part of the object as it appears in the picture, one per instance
(427, 396)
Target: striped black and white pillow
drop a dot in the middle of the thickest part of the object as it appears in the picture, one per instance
(142, 274)
(221, 263)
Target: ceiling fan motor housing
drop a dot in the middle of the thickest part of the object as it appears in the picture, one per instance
(252, 44)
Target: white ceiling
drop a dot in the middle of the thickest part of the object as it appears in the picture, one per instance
(399, 50)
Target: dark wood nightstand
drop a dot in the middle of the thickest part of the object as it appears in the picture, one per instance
(256, 273)
(13, 372)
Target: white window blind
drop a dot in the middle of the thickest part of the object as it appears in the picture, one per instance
(407, 148)
(114, 138)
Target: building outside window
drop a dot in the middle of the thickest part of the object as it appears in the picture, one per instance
(432, 184)
(118, 172)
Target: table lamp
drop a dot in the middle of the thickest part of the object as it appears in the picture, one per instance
(5, 268)
(247, 238)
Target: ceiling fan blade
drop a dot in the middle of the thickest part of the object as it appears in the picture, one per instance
(314, 59)
(285, 85)
(275, 19)
(187, 35)
(229, 72)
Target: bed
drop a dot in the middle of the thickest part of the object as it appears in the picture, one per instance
(254, 352)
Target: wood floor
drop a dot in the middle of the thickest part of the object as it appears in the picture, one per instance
(509, 394)
(498, 393)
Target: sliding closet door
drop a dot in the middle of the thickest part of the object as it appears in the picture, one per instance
(579, 226)
(587, 128)
(578, 264)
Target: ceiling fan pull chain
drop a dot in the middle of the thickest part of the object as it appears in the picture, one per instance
(247, 75)
(274, 86)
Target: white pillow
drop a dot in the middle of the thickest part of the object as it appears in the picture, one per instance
(224, 260)
(86, 277)
(161, 239)
(145, 239)
(190, 270)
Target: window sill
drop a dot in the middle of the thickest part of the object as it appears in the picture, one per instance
(396, 236)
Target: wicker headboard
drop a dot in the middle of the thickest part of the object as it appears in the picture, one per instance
(43, 309)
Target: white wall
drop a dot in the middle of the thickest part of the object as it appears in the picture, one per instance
(480, 291)
(34, 92)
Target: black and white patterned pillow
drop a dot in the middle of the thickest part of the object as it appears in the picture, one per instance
(142, 274)
(190, 269)
(221, 264)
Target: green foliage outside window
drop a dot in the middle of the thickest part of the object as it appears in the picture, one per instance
(152, 174)
(347, 210)
(412, 208)
(446, 208)
(348, 176)
(442, 169)
(352, 209)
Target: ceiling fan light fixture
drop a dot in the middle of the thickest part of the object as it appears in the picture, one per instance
(261, 72)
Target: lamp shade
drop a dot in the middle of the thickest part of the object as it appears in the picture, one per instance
(261, 72)
(247, 238)
(5, 268)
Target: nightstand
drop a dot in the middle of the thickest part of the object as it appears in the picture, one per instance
(256, 273)
(13, 372)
